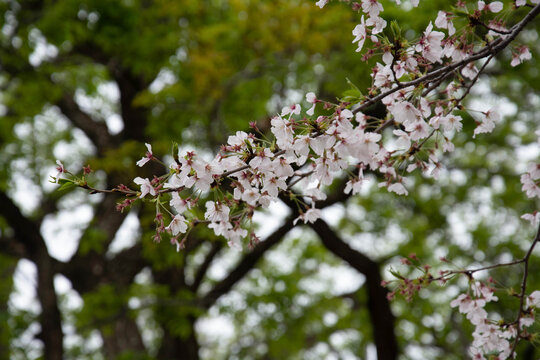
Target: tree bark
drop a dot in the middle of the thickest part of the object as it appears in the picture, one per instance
(124, 337)
(27, 232)
(175, 348)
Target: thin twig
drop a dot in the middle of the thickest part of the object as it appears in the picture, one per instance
(522, 294)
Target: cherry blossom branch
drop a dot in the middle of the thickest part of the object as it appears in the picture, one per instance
(492, 48)
(498, 31)
(522, 294)
(472, 305)
(121, 190)
(469, 272)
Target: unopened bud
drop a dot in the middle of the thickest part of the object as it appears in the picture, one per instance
(405, 261)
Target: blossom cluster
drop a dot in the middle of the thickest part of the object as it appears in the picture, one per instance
(493, 337)
(310, 151)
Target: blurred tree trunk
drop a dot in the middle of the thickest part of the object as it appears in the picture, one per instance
(7, 269)
(125, 336)
(180, 347)
(382, 319)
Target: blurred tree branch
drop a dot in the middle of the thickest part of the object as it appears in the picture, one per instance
(28, 234)
(379, 310)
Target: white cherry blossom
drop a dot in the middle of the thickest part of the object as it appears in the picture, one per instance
(216, 212)
(521, 55)
(312, 99)
(148, 156)
(430, 44)
(360, 34)
(60, 170)
(311, 215)
(444, 21)
(177, 225)
(494, 6)
(533, 300)
(372, 7)
(146, 186)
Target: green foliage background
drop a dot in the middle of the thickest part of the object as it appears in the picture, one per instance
(194, 72)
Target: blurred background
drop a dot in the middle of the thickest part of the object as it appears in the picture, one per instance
(89, 82)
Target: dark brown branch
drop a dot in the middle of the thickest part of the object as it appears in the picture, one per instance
(11, 247)
(338, 194)
(129, 84)
(246, 264)
(201, 271)
(135, 118)
(126, 264)
(380, 313)
(97, 132)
